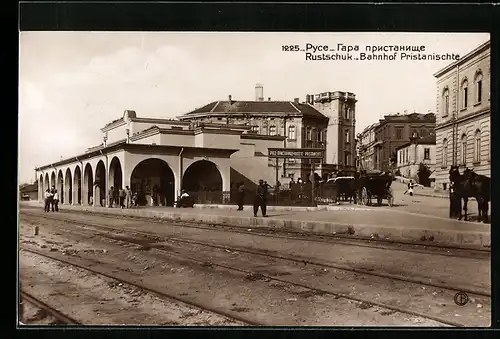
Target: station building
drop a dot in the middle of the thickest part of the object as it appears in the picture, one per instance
(209, 149)
(167, 155)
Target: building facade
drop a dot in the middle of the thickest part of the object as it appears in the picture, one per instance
(394, 131)
(325, 120)
(463, 115)
(158, 155)
(367, 159)
(412, 154)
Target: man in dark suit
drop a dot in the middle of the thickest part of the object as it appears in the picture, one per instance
(455, 202)
(260, 199)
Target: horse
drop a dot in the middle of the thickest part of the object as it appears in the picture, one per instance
(481, 189)
(468, 185)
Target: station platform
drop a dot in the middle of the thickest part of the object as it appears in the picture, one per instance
(361, 221)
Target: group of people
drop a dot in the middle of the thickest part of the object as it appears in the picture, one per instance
(51, 200)
(260, 198)
(121, 197)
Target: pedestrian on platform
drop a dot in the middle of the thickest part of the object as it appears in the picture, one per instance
(48, 197)
(52, 192)
(455, 202)
(56, 201)
(122, 194)
(240, 198)
(128, 197)
(260, 199)
(111, 194)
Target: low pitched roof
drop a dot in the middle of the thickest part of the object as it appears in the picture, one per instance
(258, 107)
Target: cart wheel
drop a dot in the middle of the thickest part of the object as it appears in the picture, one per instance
(390, 197)
(364, 196)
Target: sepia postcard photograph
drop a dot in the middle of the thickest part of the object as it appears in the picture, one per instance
(254, 179)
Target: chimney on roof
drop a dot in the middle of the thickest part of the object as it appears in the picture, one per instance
(308, 99)
(269, 99)
(296, 100)
(230, 99)
(406, 112)
(259, 92)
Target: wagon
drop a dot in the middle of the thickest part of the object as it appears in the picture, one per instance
(374, 185)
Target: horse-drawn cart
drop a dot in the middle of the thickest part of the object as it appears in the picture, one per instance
(374, 185)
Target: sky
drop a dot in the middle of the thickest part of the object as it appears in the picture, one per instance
(73, 83)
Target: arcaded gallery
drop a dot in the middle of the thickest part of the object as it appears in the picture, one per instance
(155, 158)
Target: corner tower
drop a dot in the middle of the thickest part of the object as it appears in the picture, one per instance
(340, 108)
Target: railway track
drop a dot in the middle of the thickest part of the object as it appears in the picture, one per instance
(152, 237)
(59, 316)
(161, 294)
(341, 239)
(136, 241)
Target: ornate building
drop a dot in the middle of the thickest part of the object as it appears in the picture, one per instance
(325, 120)
(379, 142)
(463, 118)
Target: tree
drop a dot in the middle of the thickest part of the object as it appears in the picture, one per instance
(423, 175)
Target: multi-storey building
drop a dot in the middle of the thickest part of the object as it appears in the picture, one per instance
(463, 115)
(394, 131)
(366, 150)
(325, 120)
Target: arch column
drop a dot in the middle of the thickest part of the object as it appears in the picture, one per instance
(40, 188)
(226, 183)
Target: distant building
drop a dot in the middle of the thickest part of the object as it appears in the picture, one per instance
(28, 191)
(412, 154)
(463, 118)
(366, 148)
(325, 120)
(380, 141)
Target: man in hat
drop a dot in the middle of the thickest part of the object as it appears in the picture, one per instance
(260, 199)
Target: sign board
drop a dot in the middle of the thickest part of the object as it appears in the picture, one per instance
(297, 153)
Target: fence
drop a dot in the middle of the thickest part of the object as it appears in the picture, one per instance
(294, 195)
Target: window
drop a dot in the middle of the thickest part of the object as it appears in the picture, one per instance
(463, 159)
(346, 158)
(399, 133)
(321, 136)
(477, 146)
(309, 134)
(291, 133)
(446, 102)
(423, 133)
(347, 113)
(479, 86)
(465, 93)
(346, 135)
(255, 129)
(444, 160)
(427, 153)
(406, 155)
(272, 130)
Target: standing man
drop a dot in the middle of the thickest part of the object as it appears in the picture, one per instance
(128, 197)
(111, 193)
(47, 197)
(52, 192)
(260, 199)
(121, 195)
(56, 201)
(240, 198)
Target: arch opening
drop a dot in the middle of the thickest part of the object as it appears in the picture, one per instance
(46, 183)
(115, 179)
(77, 186)
(203, 180)
(53, 180)
(154, 182)
(100, 184)
(68, 185)
(88, 183)
(41, 188)
(60, 186)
